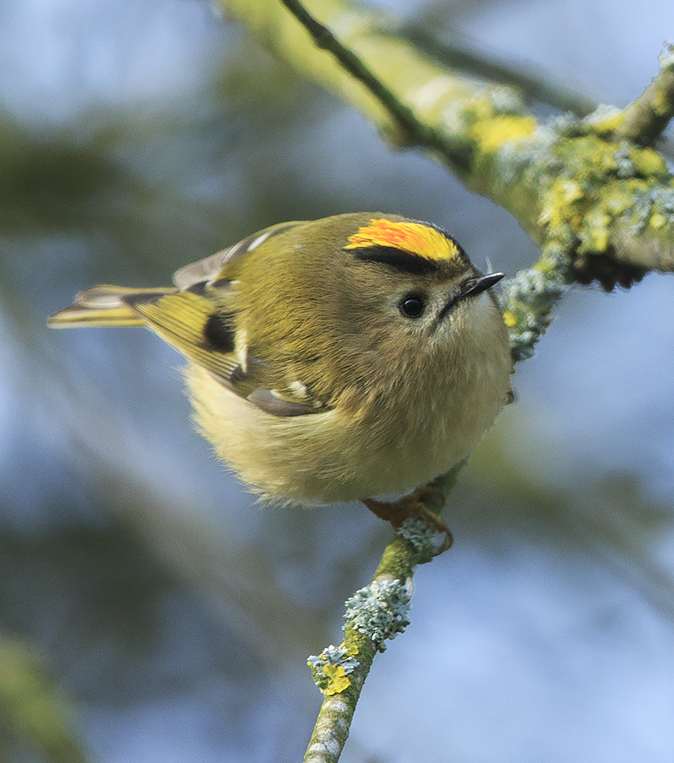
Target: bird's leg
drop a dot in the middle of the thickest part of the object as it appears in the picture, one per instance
(408, 506)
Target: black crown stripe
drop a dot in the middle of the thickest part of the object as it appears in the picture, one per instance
(396, 258)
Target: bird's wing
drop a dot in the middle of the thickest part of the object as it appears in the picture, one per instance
(198, 318)
(209, 269)
(201, 325)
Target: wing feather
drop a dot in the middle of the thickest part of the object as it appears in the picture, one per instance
(211, 267)
(185, 321)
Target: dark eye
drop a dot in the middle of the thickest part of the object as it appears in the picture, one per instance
(412, 306)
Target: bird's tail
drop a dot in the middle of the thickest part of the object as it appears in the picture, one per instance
(104, 306)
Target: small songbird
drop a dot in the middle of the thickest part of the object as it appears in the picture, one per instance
(332, 360)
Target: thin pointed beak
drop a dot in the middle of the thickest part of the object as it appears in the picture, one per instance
(471, 287)
(474, 286)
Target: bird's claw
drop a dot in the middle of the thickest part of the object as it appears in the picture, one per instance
(412, 505)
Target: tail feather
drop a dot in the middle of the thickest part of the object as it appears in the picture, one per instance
(103, 306)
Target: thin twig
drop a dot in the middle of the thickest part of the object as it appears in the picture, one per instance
(413, 131)
(455, 52)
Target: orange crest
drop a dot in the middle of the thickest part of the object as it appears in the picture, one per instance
(414, 238)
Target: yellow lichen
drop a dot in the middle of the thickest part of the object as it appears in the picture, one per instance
(337, 680)
(661, 104)
(595, 232)
(602, 155)
(646, 161)
(657, 220)
(569, 190)
(619, 197)
(560, 204)
(493, 133)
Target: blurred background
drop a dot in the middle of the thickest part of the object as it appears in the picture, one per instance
(149, 609)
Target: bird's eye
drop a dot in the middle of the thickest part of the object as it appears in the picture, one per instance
(412, 306)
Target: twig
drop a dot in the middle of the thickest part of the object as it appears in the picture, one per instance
(454, 52)
(413, 131)
(529, 297)
(648, 115)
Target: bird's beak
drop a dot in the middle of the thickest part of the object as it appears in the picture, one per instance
(475, 286)
(471, 287)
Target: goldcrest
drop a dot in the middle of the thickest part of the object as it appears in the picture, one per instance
(332, 360)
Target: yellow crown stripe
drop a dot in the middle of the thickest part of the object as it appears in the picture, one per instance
(414, 238)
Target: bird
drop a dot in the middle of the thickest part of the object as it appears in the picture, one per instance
(349, 358)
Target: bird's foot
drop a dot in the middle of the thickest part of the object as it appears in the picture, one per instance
(409, 506)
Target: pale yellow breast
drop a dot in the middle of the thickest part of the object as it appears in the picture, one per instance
(391, 448)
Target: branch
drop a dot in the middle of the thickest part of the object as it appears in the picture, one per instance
(609, 203)
(647, 116)
(375, 613)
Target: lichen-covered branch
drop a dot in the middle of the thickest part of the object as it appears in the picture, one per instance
(607, 200)
(528, 299)
(373, 614)
(647, 116)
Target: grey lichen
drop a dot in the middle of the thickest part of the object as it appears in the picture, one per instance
(528, 299)
(417, 531)
(379, 611)
(506, 100)
(654, 206)
(517, 160)
(666, 58)
(603, 114)
(625, 165)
